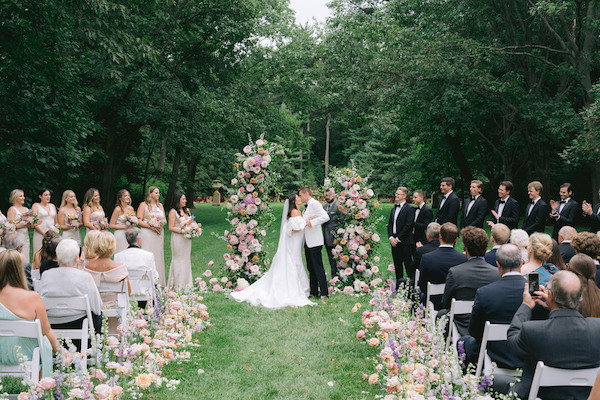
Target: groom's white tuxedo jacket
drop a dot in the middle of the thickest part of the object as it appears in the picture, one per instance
(313, 236)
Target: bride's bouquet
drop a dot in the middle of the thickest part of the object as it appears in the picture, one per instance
(132, 219)
(101, 223)
(190, 228)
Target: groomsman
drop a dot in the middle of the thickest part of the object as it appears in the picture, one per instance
(449, 203)
(564, 211)
(423, 217)
(506, 210)
(592, 215)
(329, 228)
(536, 211)
(475, 208)
(400, 227)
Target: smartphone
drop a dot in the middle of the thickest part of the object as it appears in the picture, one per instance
(534, 283)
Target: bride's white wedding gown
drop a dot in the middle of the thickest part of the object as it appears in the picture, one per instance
(286, 283)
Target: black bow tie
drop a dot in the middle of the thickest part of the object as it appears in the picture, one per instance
(306, 206)
(502, 202)
(532, 201)
(562, 202)
(443, 197)
(472, 198)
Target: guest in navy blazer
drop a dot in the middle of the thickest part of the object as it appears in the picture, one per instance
(423, 216)
(475, 208)
(497, 302)
(500, 236)
(506, 210)
(436, 264)
(449, 204)
(536, 211)
(564, 211)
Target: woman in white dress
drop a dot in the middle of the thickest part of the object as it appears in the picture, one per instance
(118, 219)
(46, 212)
(92, 211)
(285, 284)
(180, 271)
(17, 199)
(69, 216)
(152, 212)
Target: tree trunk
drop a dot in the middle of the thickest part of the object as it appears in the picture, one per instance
(163, 155)
(459, 156)
(173, 179)
(150, 151)
(327, 146)
(189, 191)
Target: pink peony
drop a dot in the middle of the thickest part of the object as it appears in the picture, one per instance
(247, 149)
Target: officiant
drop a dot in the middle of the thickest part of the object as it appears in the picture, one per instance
(330, 227)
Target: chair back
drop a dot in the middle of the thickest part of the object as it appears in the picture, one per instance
(492, 333)
(24, 329)
(122, 297)
(434, 289)
(142, 286)
(417, 276)
(546, 376)
(457, 307)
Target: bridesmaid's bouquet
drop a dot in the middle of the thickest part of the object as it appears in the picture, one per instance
(73, 220)
(131, 219)
(29, 217)
(157, 222)
(101, 223)
(55, 228)
(190, 228)
(6, 226)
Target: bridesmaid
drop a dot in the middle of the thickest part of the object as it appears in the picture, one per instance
(17, 199)
(46, 212)
(69, 216)
(92, 210)
(180, 271)
(153, 237)
(118, 220)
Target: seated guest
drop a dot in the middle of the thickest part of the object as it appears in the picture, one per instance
(134, 258)
(435, 265)
(540, 250)
(556, 258)
(588, 243)
(18, 303)
(14, 240)
(520, 238)
(497, 303)
(583, 266)
(565, 235)
(41, 254)
(464, 279)
(49, 260)
(565, 340)
(69, 282)
(500, 235)
(430, 244)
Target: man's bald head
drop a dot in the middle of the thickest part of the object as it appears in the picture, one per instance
(566, 289)
(566, 233)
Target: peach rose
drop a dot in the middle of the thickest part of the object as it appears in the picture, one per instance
(373, 379)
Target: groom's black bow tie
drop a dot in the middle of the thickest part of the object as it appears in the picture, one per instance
(306, 206)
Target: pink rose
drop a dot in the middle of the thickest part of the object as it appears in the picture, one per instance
(98, 374)
(373, 379)
(46, 383)
(140, 323)
(102, 391)
(116, 390)
(207, 273)
(112, 341)
(238, 289)
(360, 334)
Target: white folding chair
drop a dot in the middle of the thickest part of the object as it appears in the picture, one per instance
(457, 307)
(549, 376)
(35, 274)
(492, 333)
(417, 276)
(142, 286)
(434, 289)
(24, 329)
(122, 298)
(78, 303)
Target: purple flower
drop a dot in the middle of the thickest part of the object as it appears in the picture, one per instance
(485, 383)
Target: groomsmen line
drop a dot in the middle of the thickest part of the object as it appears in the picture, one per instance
(407, 225)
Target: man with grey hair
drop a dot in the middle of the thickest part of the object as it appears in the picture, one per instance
(497, 303)
(16, 241)
(134, 258)
(432, 243)
(565, 235)
(565, 340)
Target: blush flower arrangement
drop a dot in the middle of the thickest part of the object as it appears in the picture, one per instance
(356, 240)
(248, 211)
(101, 223)
(190, 228)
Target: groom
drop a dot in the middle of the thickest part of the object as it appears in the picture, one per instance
(315, 216)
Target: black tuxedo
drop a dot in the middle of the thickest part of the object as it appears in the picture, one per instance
(567, 217)
(402, 252)
(449, 211)
(435, 266)
(497, 302)
(593, 219)
(477, 213)
(424, 218)
(536, 220)
(329, 232)
(420, 251)
(510, 214)
(566, 251)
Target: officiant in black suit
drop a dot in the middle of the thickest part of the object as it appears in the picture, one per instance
(536, 211)
(423, 217)
(330, 227)
(506, 210)
(565, 211)
(475, 208)
(400, 234)
(449, 203)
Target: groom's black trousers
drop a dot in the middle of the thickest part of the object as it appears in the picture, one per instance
(316, 270)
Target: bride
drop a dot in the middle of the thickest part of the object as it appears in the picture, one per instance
(286, 283)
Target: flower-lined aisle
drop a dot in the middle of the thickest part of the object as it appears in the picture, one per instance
(130, 362)
(411, 360)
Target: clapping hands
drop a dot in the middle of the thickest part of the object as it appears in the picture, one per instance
(586, 208)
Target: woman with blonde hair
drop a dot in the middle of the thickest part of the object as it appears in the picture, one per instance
(46, 212)
(17, 303)
(151, 218)
(119, 219)
(540, 251)
(15, 214)
(93, 213)
(584, 267)
(69, 216)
